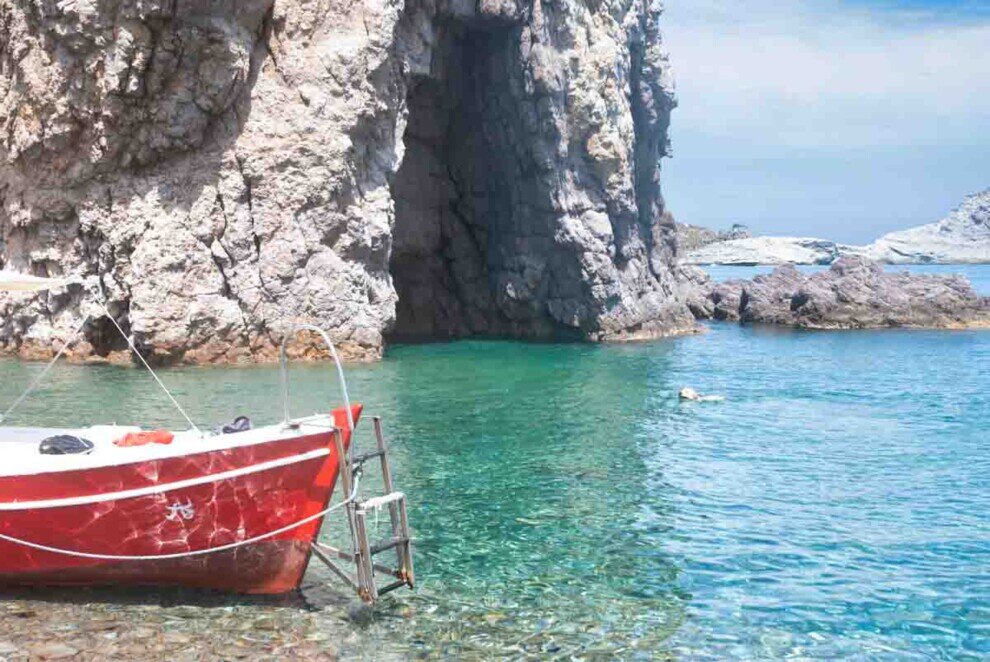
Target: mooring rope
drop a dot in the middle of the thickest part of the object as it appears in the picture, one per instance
(198, 552)
(130, 343)
(41, 375)
(68, 343)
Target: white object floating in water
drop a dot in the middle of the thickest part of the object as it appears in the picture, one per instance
(689, 394)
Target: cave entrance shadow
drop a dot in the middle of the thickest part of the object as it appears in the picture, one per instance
(474, 250)
(437, 230)
(451, 197)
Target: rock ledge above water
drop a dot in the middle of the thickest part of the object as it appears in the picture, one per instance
(855, 293)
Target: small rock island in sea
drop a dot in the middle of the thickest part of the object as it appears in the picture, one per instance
(856, 292)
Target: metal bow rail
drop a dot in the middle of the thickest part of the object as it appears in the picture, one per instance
(350, 468)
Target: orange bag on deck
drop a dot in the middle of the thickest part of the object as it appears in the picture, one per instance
(142, 438)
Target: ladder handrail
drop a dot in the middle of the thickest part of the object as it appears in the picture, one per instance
(362, 553)
(284, 369)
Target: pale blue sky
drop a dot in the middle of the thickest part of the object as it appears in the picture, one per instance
(841, 119)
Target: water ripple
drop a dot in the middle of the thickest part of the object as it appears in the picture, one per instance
(566, 504)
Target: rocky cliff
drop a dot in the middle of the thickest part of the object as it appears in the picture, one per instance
(962, 237)
(419, 169)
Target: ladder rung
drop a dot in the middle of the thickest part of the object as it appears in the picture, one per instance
(323, 556)
(391, 587)
(378, 502)
(347, 556)
(364, 457)
(390, 544)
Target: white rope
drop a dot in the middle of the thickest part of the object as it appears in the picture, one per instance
(179, 555)
(130, 343)
(41, 375)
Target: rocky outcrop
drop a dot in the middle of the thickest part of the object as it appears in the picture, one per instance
(855, 293)
(695, 286)
(963, 237)
(752, 251)
(692, 237)
(419, 169)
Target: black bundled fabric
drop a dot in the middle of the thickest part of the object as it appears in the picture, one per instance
(65, 444)
(239, 424)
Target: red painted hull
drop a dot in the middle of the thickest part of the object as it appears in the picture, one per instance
(269, 485)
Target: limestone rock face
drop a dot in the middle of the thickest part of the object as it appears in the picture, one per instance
(750, 251)
(693, 237)
(962, 237)
(220, 170)
(855, 293)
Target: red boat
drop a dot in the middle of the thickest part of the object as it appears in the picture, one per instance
(239, 511)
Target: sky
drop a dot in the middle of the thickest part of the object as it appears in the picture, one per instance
(840, 119)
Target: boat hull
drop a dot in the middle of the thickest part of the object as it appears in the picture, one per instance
(159, 515)
(264, 568)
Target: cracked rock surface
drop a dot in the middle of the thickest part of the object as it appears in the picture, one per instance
(855, 293)
(417, 168)
(962, 237)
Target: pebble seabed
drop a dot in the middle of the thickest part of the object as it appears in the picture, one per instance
(320, 622)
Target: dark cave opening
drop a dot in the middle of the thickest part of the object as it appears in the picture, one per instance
(474, 249)
(104, 337)
(443, 190)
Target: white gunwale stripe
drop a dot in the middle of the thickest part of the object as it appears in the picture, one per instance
(166, 487)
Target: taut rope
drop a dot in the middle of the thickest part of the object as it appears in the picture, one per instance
(41, 375)
(130, 343)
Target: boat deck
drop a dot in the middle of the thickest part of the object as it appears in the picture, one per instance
(19, 446)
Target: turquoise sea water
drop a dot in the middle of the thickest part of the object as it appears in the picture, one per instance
(837, 504)
(978, 274)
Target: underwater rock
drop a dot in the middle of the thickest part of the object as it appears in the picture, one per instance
(175, 625)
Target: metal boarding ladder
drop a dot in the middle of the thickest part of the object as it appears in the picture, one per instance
(363, 551)
(349, 467)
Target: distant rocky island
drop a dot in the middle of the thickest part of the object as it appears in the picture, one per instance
(962, 237)
(856, 292)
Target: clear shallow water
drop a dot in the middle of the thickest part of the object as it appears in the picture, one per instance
(978, 274)
(564, 501)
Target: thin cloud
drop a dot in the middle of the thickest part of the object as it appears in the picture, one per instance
(823, 75)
